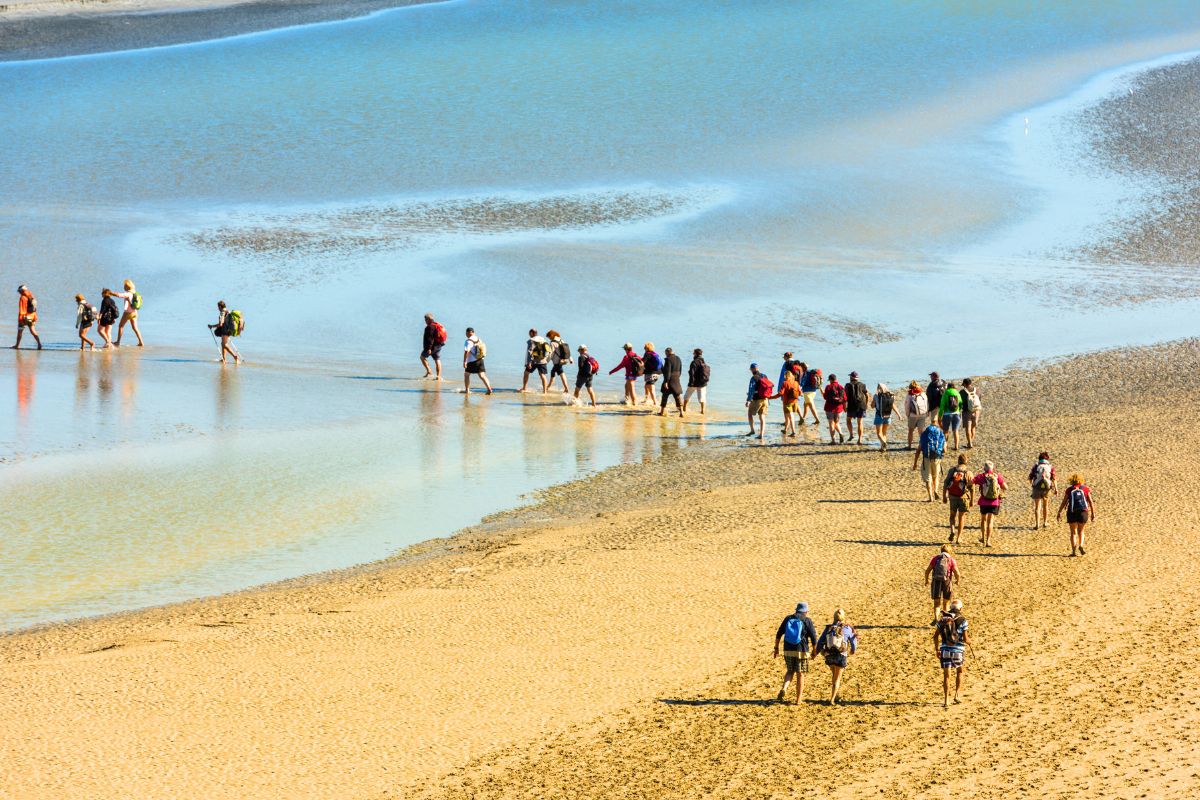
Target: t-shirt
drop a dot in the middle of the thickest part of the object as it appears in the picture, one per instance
(469, 347)
(808, 633)
(916, 405)
(556, 355)
(981, 479)
(944, 407)
(585, 367)
(847, 631)
(934, 392)
(789, 391)
(1087, 493)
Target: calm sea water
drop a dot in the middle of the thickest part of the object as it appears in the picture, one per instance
(839, 179)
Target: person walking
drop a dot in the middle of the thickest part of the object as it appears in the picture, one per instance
(941, 576)
(1081, 509)
(85, 317)
(537, 356)
(971, 410)
(933, 395)
(698, 375)
(799, 636)
(758, 397)
(474, 352)
(433, 339)
(634, 366)
(672, 373)
(959, 493)
(588, 367)
(26, 316)
(916, 406)
(1042, 483)
(133, 304)
(229, 324)
(810, 384)
(788, 364)
(108, 316)
(789, 393)
(560, 357)
(991, 492)
(883, 404)
(835, 404)
(950, 411)
(837, 643)
(950, 640)
(930, 449)
(857, 399)
(652, 372)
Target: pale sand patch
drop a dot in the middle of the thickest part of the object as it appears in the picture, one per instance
(544, 660)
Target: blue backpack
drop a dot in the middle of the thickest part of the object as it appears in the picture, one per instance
(933, 442)
(793, 630)
(654, 362)
(1077, 502)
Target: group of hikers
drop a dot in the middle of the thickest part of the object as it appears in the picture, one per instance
(229, 324)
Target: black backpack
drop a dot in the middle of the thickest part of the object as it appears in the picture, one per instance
(860, 394)
(89, 315)
(886, 404)
(564, 351)
(952, 403)
(948, 630)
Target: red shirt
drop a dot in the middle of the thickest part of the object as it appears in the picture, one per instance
(834, 392)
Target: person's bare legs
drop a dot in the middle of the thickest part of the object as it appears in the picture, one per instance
(881, 432)
(591, 396)
(437, 364)
(425, 364)
(651, 397)
(630, 392)
(799, 688)
(525, 381)
(962, 519)
(787, 680)
(986, 525)
(226, 347)
(136, 331)
(562, 377)
(958, 681)
(487, 384)
(945, 687)
(836, 683)
(762, 425)
(545, 386)
(83, 339)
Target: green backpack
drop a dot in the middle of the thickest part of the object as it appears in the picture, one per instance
(135, 300)
(237, 323)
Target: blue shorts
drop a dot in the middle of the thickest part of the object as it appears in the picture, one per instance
(540, 369)
(882, 420)
(952, 658)
(952, 422)
(434, 352)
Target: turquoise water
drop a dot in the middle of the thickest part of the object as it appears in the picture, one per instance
(743, 177)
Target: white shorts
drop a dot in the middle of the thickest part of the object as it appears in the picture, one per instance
(700, 391)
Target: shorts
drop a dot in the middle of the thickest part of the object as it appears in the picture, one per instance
(940, 590)
(434, 352)
(475, 367)
(989, 509)
(952, 657)
(1077, 516)
(916, 422)
(652, 378)
(758, 406)
(810, 398)
(931, 468)
(796, 661)
(699, 391)
(835, 659)
(556, 370)
(27, 321)
(951, 422)
(957, 505)
(855, 413)
(882, 420)
(84, 328)
(581, 382)
(540, 369)
(792, 407)
(129, 315)
(1040, 494)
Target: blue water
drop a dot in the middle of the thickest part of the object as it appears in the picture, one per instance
(847, 175)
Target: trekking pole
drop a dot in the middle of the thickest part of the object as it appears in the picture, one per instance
(215, 340)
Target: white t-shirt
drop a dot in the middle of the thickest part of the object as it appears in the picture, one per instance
(469, 347)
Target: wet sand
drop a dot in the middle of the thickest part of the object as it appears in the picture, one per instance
(613, 640)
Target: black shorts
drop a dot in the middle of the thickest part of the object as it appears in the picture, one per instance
(835, 659)
(475, 367)
(939, 589)
(434, 352)
(556, 370)
(989, 510)
(540, 369)
(581, 382)
(1077, 516)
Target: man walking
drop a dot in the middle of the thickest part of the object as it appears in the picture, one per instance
(474, 351)
(941, 571)
(799, 636)
(672, 371)
(930, 450)
(959, 493)
(857, 398)
(26, 316)
(432, 342)
(588, 367)
(757, 397)
(950, 640)
(950, 411)
(698, 375)
(933, 394)
(537, 354)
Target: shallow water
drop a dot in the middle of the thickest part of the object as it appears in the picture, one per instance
(844, 180)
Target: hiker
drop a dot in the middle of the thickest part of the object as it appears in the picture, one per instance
(970, 410)
(930, 449)
(1081, 509)
(838, 642)
(940, 576)
(133, 304)
(672, 371)
(1042, 483)
(959, 493)
(634, 366)
(26, 316)
(933, 395)
(85, 317)
(950, 411)
(799, 636)
(950, 640)
(560, 356)
(432, 341)
(228, 325)
(857, 399)
(652, 372)
(883, 404)
(758, 397)
(789, 393)
(835, 404)
(788, 364)
(698, 375)
(537, 354)
(108, 316)
(810, 384)
(474, 351)
(588, 367)
(916, 406)
(991, 491)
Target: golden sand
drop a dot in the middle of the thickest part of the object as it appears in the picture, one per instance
(615, 641)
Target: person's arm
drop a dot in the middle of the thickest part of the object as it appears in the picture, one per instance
(778, 636)
(1062, 505)
(954, 569)
(853, 640)
(970, 490)
(928, 571)
(1091, 507)
(937, 640)
(622, 365)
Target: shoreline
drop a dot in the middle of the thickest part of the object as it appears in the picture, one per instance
(51, 29)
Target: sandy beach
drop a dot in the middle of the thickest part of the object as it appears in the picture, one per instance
(613, 639)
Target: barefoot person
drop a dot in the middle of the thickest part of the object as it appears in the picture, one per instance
(810, 384)
(950, 640)
(1042, 483)
(85, 317)
(1081, 509)
(229, 324)
(835, 404)
(653, 366)
(991, 492)
(857, 400)
(916, 406)
(799, 636)
(789, 394)
(940, 576)
(958, 492)
(474, 351)
(758, 397)
(633, 366)
(560, 357)
(838, 642)
(698, 375)
(129, 315)
(537, 356)
(26, 316)
(971, 409)
(883, 404)
(930, 449)
(672, 372)
(588, 367)
(950, 411)
(432, 341)
(108, 316)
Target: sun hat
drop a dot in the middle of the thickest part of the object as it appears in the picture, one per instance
(801, 608)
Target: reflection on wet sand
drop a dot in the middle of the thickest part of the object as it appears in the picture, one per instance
(431, 431)
(83, 381)
(227, 396)
(26, 379)
(474, 416)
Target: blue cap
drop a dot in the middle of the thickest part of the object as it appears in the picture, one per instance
(753, 365)
(801, 608)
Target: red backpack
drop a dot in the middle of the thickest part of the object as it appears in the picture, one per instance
(765, 388)
(594, 365)
(439, 333)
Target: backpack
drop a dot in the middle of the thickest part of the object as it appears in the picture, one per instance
(135, 300)
(439, 333)
(817, 379)
(952, 403)
(705, 371)
(764, 388)
(639, 366)
(89, 315)
(654, 362)
(31, 304)
(539, 352)
(1041, 475)
(967, 404)
(991, 487)
(956, 483)
(593, 365)
(236, 323)
(920, 404)
(860, 394)
(564, 351)
(1076, 500)
(839, 395)
(793, 630)
(941, 568)
(948, 630)
(933, 443)
(480, 349)
(835, 638)
(886, 405)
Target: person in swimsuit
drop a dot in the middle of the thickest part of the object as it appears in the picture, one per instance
(133, 301)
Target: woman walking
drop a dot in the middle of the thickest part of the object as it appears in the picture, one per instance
(108, 316)
(838, 642)
(884, 404)
(85, 317)
(133, 303)
(916, 406)
(1077, 502)
(1042, 484)
(835, 404)
(971, 409)
(991, 492)
(226, 327)
(653, 371)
